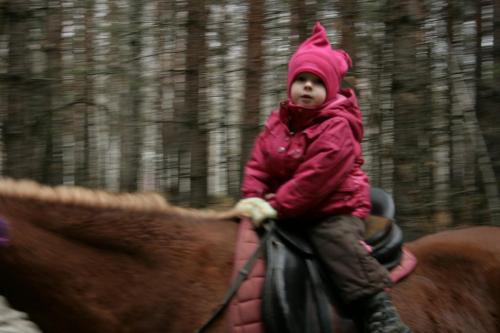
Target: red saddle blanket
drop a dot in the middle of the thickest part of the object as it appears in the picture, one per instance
(245, 308)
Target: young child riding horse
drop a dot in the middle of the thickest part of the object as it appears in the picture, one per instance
(306, 166)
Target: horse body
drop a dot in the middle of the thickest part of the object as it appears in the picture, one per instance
(455, 287)
(82, 266)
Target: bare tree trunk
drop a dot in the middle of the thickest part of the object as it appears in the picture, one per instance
(376, 104)
(53, 163)
(164, 110)
(231, 143)
(85, 158)
(440, 110)
(483, 122)
(496, 50)
(487, 96)
(423, 107)
(349, 14)
(79, 112)
(219, 96)
(387, 128)
(16, 130)
(300, 26)
(176, 135)
(407, 97)
(91, 154)
(489, 181)
(253, 69)
(131, 111)
(461, 185)
(465, 129)
(450, 40)
(494, 99)
(196, 100)
(117, 94)
(478, 76)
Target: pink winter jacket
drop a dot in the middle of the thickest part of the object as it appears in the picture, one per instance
(311, 160)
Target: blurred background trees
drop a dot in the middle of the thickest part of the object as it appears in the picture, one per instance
(168, 95)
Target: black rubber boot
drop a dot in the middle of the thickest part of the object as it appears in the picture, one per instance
(380, 316)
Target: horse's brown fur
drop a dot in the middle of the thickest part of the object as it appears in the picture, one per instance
(90, 261)
(111, 263)
(455, 287)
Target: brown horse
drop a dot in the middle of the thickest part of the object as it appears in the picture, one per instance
(88, 261)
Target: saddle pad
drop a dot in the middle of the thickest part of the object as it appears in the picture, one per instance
(245, 309)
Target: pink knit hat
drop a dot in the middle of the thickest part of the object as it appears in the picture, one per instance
(315, 55)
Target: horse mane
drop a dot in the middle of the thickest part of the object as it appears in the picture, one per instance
(30, 194)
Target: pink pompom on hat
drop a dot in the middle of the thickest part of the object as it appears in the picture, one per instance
(315, 55)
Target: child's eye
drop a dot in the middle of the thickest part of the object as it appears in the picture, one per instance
(301, 78)
(318, 81)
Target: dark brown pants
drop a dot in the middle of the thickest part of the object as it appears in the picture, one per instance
(352, 270)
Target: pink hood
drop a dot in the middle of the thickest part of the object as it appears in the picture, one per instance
(315, 55)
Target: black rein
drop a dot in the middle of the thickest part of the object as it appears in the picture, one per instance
(238, 280)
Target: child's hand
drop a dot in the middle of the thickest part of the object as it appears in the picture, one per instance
(257, 209)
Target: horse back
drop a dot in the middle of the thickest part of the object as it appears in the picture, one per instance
(455, 286)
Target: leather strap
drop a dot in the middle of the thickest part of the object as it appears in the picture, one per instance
(325, 317)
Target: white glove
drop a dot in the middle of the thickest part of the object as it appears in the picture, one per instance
(257, 209)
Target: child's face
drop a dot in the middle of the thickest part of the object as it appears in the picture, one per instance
(308, 90)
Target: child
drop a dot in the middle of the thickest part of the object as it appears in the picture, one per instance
(306, 165)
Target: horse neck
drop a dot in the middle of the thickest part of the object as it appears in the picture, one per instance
(174, 261)
(172, 239)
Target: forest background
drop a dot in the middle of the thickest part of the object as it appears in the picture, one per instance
(168, 95)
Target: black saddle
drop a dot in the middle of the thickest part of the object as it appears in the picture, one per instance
(296, 297)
